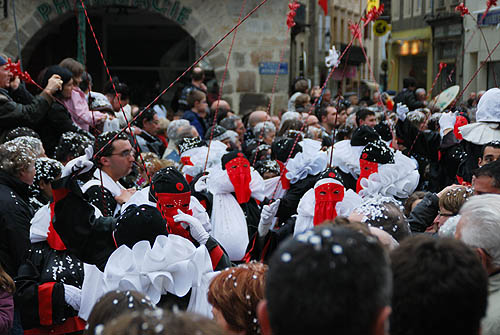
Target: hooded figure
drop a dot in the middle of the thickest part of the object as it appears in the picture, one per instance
(385, 172)
(485, 130)
(171, 193)
(324, 202)
(373, 154)
(236, 187)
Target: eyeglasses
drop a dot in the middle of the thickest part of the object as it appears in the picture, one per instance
(125, 153)
(445, 214)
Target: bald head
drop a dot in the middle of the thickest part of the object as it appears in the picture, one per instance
(256, 117)
(223, 104)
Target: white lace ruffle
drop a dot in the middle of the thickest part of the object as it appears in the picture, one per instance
(173, 265)
(346, 157)
(392, 180)
(310, 161)
(480, 133)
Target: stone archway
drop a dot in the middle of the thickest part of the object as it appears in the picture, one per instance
(259, 40)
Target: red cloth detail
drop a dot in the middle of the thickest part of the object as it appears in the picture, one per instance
(324, 5)
(326, 198)
(264, 250)
(238, 170)
(59, 194)
(203, 203)
(45, 303)
(367, 168)
(186, 160)
(247, 258)
(71, 325)
(53, 238)
(461, 121)
(439, 155)
(215, 255)
(189, 179)
(168, 204)
(285, 183)
(163, 139)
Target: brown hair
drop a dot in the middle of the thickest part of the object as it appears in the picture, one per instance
(455, 198)
(112, 305)
(161, 322)
(193, 96)
(302, 100)
(236, 292)
(411, 200)
(6, 282)
(74, 66)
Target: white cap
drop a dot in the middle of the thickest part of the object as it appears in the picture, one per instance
(488, 108)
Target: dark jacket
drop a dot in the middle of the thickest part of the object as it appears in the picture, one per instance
(408, 98)
(40, 290)
(196, 121)
(13, 114)
(424, 213)
(290, 202)
(15, 216)
(50, 129)
(6, 312)
(149, 143)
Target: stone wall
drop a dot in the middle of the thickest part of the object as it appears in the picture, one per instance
(259, 39)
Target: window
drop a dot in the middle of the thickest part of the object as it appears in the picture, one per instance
(395, 10)
(417, 7)
(428, 6)
(493, 78)
(407, 10)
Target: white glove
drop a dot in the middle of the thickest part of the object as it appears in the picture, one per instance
(80, 164)
(195, 227)
(266, 217)
(401, 111)
(446, 121)
(73, 296)
(201, 184)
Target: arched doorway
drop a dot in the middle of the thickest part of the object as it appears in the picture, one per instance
(143, 48)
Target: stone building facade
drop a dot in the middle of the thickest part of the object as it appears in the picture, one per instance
(150, 42)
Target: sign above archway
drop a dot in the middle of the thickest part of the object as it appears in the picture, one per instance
(173, 10)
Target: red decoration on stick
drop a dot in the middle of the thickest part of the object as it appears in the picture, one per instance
(290, 19)
(355, 31)
(324, 5)
(462, 9)
(489, 4)
(373, 14)
(15, 69)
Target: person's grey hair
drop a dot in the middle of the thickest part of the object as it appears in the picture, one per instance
(230, 122)
(264, 128)
(289, 116)
(420, 90)
(449, 228)
(314, 133)
(233, 136)
(16, 157)
(481, 224)
(178, 129)
(32, 142)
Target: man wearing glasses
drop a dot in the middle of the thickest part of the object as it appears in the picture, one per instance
(114, 160)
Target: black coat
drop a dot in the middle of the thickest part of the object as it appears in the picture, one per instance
(15, 216)
(13, 114)
(50, 129)
(290, 202)
(45, 270)
(408, 98)
(424, 213)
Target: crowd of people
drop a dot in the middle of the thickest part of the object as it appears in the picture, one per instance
(345, 215)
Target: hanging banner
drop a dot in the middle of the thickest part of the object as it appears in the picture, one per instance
(372, 4)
